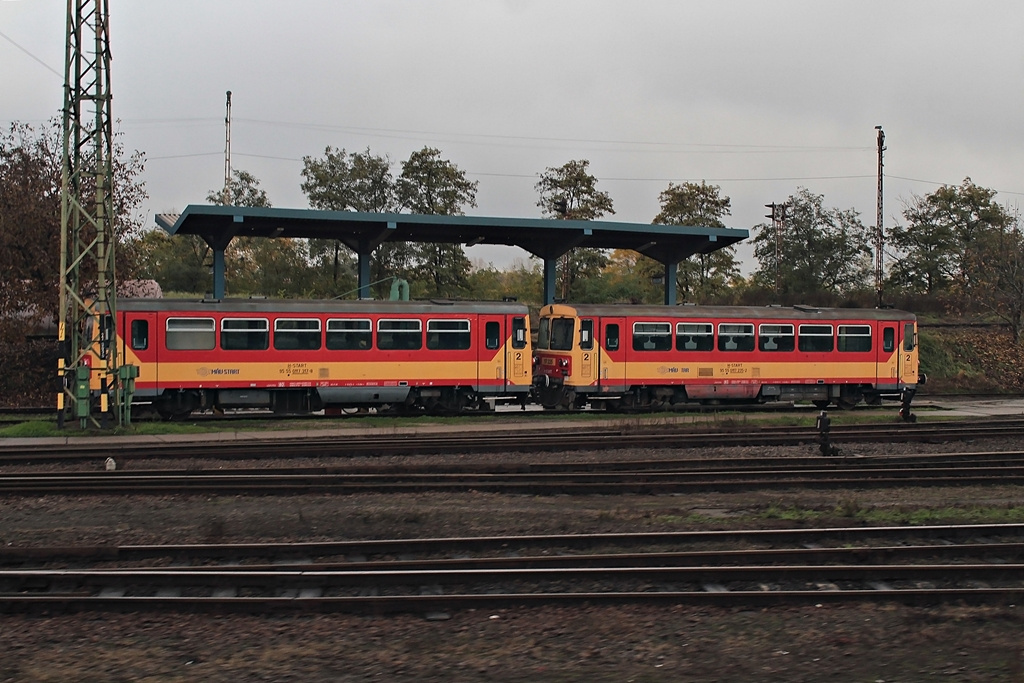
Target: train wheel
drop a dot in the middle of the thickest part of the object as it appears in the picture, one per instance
(551, 397)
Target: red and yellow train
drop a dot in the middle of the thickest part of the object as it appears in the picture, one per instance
(302, 356)
(651, 357)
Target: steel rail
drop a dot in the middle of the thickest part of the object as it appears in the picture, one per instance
(377, 547)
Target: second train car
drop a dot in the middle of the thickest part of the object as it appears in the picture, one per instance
(655, 357)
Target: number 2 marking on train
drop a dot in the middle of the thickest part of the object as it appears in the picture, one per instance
(519, 355)
(586, 358)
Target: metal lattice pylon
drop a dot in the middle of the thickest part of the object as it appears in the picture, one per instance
(88, 368)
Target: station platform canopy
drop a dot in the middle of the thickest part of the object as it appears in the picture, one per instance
(363, 232)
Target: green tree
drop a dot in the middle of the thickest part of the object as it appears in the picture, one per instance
(434, 186)
(997, 266)
(243, 190)
(569, 192)
(354, 181)
(702, 276)
(939, 243)
(823, 249)
(30, 243)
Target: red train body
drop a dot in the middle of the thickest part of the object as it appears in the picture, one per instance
(301, 356)
(645, 357)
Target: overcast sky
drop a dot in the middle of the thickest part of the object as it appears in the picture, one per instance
(759, 97)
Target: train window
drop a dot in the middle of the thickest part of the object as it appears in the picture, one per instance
(611, 337)
(448, 335)
(191, 334)
(244, 334)
(854, 338)
(292, 334)
(888, 339)
(587, 334)
(816, 338)
(695, 337)
(909, 337)
(776, 338)
(544, 333)
(399, 335)
(140, 335)
(349, 335)
(519, 332)
(735, 337)
(561, 333)
(492, 335)
(652, 336)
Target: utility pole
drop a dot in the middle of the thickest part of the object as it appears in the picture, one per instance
(778, 216)
(227, 154)
(879, 235)
(88, 367)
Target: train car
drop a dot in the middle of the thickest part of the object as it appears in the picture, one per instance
(650, 357)
(301, 356)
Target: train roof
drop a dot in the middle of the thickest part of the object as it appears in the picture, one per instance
(326, 306)
(753, 312)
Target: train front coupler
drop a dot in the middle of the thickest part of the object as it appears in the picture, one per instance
(906, 397)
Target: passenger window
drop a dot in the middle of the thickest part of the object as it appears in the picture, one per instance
(191, 334)
(776, 338)
(889, 340)
(244, 334)
(140, 335)
(695, 337)
(611, 337)
(399, 335)
(735, 337)
(652, 336)
(855, 338)
(448, 335)
(587, 334)
(815, 338)
(349, 335)
(492, 333)
(297, 334)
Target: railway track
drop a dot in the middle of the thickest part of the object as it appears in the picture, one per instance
(586, 478)
(919, 565)
(550, 437)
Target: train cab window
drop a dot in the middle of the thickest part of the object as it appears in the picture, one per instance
(611, 337)
(492, 335)
(562, 330)
(695, 337)
(191, 334)
(889, 339)
(587, 334)
(735, 337)
(244, 334)
(297, 334)
(349, 335)
(776, 338)
(519, 332)
(399, 335)
(652, 336)
(909, 337)
(140, 335)
(544, 333)
(816, 338)
(448, 335)
(854, 338)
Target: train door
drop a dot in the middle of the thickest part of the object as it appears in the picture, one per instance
(491, 363)
(517, 357)
(885, 368)
(907, 365)
(139, 334)
(611, 344)
(586, 373)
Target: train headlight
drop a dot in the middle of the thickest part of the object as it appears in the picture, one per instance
(563, 362)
